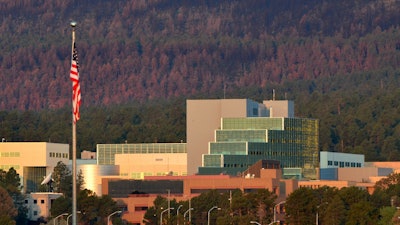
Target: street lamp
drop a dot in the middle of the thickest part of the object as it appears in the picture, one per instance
(54, 221)
(177, 214)
(208, 214)
(282, 202)
(255, 222)
(274, 222)
(316, 216)
(109, 216)
(164, 212)
(184, 215)
(70, 216)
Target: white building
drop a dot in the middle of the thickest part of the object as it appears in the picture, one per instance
(341, 160)
(32, 160)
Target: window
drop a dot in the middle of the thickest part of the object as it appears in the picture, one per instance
(329, 163)
(141, 208)
(34, 201)
(42, 201)
(35, 213)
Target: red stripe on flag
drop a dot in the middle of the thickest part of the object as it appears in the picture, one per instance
(76, 89)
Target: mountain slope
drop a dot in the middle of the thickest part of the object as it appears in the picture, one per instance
(141, 50)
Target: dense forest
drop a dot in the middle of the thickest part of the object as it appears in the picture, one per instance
(141, 59)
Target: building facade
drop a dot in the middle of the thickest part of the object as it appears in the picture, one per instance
(39, 205)
(138, 195)
(137, 166)
(261, 131)
(32, 160)
(203, 117)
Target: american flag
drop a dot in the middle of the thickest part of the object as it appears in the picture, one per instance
(76, 89)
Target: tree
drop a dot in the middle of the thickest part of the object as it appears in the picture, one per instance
(335, 213)
(301, 206)
(362, 213)
(10, 181)
(93, 209)
(387, 216)
(8, 210)
(62, 177)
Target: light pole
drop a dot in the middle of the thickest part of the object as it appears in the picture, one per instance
(71, 215)
(109, 216)
(177, 214)
(184, 215)
(54, 221)
(255, 222)
(280, 203)
(208, 214)
(316, 216)
(164, 212)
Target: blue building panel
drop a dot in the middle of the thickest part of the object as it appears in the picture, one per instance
(329, 173)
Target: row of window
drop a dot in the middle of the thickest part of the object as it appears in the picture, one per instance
(8, 167)
(343, 164)
(10, 154)
(35, 201)
(58, 155)
(140, 175)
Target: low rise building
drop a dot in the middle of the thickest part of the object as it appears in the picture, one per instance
(136, 196)
(39, 205)
(32, 160)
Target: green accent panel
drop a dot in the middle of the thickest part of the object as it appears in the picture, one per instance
(256, 123)
(106, 152)
(241, 135)
(228, 148)
(213, 160)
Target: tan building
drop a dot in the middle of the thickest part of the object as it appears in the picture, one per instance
(394, 165)
(39, 204)
(32, 160)
(88, 155)
(137, 166)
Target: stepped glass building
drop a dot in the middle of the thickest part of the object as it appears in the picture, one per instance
(244, 132)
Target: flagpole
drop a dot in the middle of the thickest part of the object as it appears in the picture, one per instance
(73, 25)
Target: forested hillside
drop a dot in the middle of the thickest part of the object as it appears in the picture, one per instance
(147, 49)
(141, 59)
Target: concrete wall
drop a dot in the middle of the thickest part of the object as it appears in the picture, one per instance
(151, 164)
(202, 118)
(361, 174)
